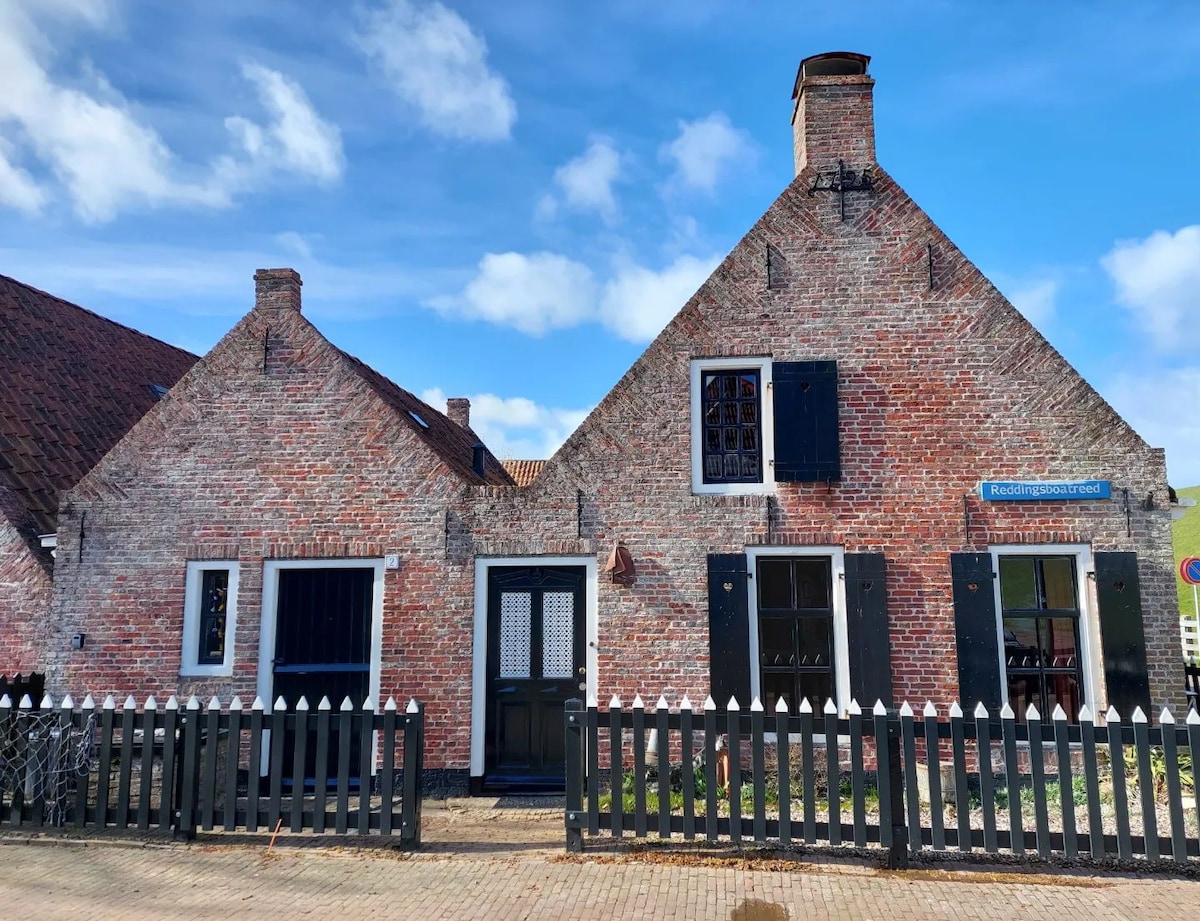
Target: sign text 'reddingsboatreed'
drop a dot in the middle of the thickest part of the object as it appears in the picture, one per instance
(1009, 491)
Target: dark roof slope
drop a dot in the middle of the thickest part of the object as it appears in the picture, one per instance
(452, 443)
(72, 383)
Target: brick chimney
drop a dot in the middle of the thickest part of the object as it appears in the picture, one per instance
(277, 289)
(834, 114)
(458, 411)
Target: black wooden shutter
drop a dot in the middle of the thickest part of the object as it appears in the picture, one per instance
(1122, 638)
(806, 421)
(867, 629)
(975, 627)
(728, 629)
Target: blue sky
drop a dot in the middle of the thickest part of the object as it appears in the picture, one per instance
(508, 200)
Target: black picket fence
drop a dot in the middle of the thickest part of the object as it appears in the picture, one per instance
(198, 768)
(33, 687)
(889, 778)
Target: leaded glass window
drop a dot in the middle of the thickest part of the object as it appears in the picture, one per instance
(731, 414)
(214, 609)
(795, 630)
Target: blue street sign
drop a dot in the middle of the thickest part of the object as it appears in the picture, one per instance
(1192, 571)
(1016, 491)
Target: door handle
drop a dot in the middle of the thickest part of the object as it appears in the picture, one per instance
(583, 670)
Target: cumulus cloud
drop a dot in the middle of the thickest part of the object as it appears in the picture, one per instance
(516, 427)
(705, 150)
(1150, 401)
(586, 182)
(546, 291)
(1157, 281)
(437, 64)
(90, 142)
(1036, 301)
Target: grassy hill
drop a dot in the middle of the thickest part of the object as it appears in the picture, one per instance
(1186, 535)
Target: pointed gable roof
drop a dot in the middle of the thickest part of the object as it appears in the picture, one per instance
(72, 383)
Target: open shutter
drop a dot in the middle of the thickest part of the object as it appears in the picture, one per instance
(806, 421)
(867, 629)
(728, 628)
(1122, 638)
(975, 627)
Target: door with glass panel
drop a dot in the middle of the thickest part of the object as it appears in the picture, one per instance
(535, 663)
(795, 630)
(1040, 624)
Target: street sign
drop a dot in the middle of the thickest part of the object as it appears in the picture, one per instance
(1189, 570)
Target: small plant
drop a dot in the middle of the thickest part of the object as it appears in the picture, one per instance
(1158, 770)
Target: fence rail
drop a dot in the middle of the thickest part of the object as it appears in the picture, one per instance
(895, 779)
(199, 767)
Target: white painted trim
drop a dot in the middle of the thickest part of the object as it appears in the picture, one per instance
(266, 643)
(1089, 616)
(193, 582)
(841, 642)
(479, 636)
(766, 406)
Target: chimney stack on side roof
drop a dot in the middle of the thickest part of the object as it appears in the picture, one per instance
(458, 411)
(277, 289)
(834, 114)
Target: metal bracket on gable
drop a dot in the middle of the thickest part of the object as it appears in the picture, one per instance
(841, 182)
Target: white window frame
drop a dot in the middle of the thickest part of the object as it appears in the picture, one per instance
(193, 584)
(841, 645)
(480, 635)
(766, 408)
(1089, 618)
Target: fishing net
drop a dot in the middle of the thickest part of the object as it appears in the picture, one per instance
(42, 758)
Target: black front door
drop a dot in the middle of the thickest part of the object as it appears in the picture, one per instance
(323, 643)
(535, 663)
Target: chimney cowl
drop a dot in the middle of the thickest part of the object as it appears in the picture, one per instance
(458, 411)
(831, 64)
(833, 118)
(277, 289)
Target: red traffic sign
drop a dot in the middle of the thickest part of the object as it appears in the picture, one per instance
(1189, 570)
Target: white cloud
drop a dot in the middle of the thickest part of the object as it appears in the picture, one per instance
(516, 427)
(638, 302)
(1036, 301)
(587, 180)
(437, 64)
(1150, 402)
(296, 139)
(534, 293)
(705, 150)
(546, 291)
(90, 141)
(1158, 282)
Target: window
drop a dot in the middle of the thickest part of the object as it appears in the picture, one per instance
(758, 422)
(732, 429)
(1042, 633)
(209, 618)
(798, 640)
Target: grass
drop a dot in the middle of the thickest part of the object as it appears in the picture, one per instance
(1186, 536)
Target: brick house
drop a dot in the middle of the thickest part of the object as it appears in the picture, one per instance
(847, 468)
(71, 384)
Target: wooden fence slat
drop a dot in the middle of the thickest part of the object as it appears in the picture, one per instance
(278, 721)
(1066, 784)
(639, 767)
(1193, 730)
(414, 766)
(125, 768)
(962, 802)
(616, 774)
(1166, 722)
(710, 769)
(833, 773)
(1141, 740)
(254, 769)
(1091, 779)
(38, 774)
(734, 780)
(321, 755)
(387, 779)
(857, 776)
(85, 720)
(189, 769)
(987, 781)
(233, 753)
(300, 764)
(758, 769)
(884, 754)
(1037, 767)
(662, 733)
(7, 744)
(573, 736)
(208, 775)
(103, 778)
(912, 795)
(933, 770)
(783, 756)
(1120, 797)
(366, 763)
(345, 730)
(1012, 779)
(146, 776)
(808, 772)
(593, 766)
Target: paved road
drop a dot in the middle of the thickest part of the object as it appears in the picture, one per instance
(487, 864)
(100, 882)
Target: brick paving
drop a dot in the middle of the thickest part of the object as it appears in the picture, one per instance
(478, 865)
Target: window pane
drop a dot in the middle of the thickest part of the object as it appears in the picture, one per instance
(1063, 690)
(733, 466)
(812, 582)
(713, 467)
(749, 386)
(775, 640)
(712, 387)
(749, 439)
(712, 414)
(813, 639)
(712, 440)
(749, 412)
(750, 468)
(1018, 583)
(1058, 575)
(731, 439)
(776, 685)
(1021, 642)
(729, 413)
(214, 600)
(817, 687)
(729, 389)
(731, 420)
(774, 584)
(1057, 642)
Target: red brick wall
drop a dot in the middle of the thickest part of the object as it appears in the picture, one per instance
(24, 605)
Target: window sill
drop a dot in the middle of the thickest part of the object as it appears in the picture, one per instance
(733, 489)
(206, 671)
